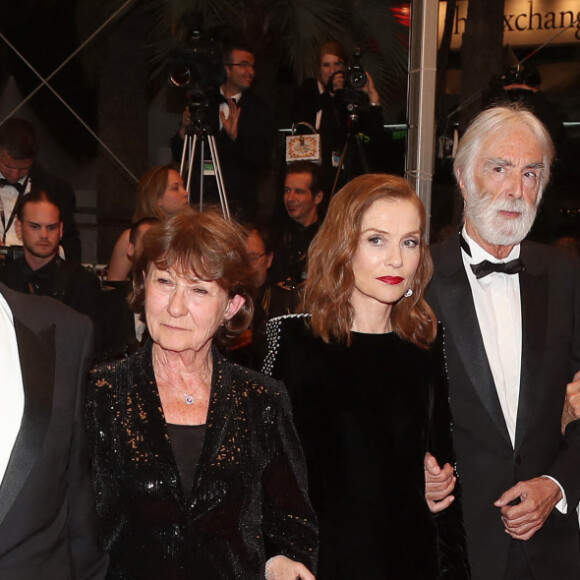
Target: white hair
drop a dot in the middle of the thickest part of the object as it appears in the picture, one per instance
(495, 122)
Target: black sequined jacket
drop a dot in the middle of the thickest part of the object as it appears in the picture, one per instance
(249, 500)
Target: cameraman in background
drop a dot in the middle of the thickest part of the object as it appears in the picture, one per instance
(243, 127)
(322, 102)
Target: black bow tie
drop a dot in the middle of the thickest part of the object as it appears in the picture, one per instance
(19, 187)
(484, 268)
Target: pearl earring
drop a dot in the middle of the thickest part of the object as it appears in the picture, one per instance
(408, 293)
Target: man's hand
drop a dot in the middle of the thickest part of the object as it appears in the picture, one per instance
(572, 404)
(439, 483)
(185, 121)
(371, 91)
(230, 124)
(336, 82)
(282, 568)
(538, 496)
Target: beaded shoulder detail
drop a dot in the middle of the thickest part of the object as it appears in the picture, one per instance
(273, 334)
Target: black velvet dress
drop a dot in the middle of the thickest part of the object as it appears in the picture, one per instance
(366, 414)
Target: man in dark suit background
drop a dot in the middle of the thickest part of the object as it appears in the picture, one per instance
(47, 518)
(19, 169)
(243, 127)
(511, 312)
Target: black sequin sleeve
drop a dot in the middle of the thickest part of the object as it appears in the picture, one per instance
(289, 521)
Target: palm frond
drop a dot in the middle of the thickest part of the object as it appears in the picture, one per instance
(305, 25)
(384, 46)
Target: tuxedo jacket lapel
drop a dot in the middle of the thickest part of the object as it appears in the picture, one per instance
(534, 297)
(454, 294)
(37, 361)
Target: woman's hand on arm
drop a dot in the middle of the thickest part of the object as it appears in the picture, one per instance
(282, 568)
(439, 483)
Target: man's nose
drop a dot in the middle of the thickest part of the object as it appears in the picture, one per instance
(516, 189)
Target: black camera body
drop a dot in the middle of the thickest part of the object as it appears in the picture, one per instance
(354, 75)
(355, 78)
(12, 253)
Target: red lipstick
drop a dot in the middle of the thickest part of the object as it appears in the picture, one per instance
(392, 280)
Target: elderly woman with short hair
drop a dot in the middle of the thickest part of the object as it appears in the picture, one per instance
(197, 466)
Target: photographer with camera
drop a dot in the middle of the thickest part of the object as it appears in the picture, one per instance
(323, 103)
(243, 127)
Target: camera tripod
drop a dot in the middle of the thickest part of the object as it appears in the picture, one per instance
(352, 145)
(199, 130)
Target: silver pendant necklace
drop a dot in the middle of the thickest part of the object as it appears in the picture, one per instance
(189, 399)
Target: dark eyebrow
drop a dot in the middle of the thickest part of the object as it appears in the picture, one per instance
(377, 231)
(40, 225)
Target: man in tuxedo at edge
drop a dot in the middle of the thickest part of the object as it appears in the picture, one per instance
(47, 517)
(511, 312)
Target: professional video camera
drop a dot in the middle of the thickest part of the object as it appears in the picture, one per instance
(354, 75)
(11, 253)
(197, 65)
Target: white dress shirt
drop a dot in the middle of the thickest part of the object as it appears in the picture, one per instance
(499, 313)
(8, 199)
(11, 390)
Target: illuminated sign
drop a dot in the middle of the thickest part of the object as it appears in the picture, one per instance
(525, 22)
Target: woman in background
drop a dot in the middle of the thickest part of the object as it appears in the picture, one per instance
(160, 194)
(321, 102)
(365, 373)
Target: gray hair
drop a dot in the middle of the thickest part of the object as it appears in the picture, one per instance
(495, 122)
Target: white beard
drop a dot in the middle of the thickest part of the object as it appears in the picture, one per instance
(483, 212)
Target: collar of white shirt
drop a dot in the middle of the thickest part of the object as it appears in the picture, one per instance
(478, 254)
